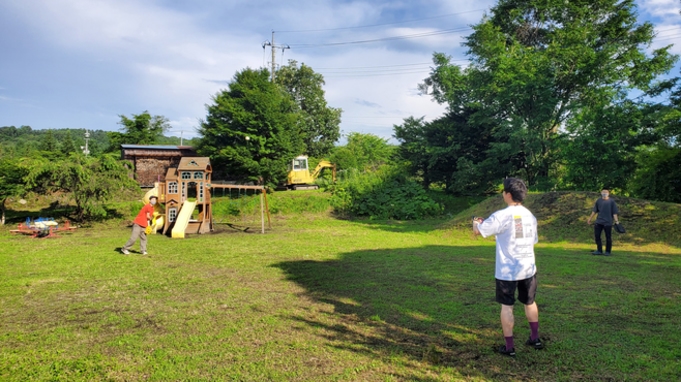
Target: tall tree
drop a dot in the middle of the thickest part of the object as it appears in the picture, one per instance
(49, 143)
(534, 65)
(252, 129)
(140, 129)
(319, 123)
(67, 145)
(453, 150)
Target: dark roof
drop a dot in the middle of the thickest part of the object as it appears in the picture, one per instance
(156, 147)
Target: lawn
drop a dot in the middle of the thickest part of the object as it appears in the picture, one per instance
(322, 299)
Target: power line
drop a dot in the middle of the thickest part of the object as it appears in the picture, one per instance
(373, 74)
(340, 71)
(392, 38)
(380, 25)
(668, 37)
(383, 66)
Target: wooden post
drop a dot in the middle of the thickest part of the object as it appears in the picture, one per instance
(267, 208)
(262, 212)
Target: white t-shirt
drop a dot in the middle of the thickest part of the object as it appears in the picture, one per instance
(516, 233)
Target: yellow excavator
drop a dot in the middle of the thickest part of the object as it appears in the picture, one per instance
(299, 176)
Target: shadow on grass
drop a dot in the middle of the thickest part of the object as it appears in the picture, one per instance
(435, 305)
(58, 213)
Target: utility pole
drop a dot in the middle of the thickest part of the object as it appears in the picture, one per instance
(273, 59)
(85, 149)
(181, 139)
(274, 47)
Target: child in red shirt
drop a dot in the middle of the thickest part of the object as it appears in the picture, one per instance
(139, 225)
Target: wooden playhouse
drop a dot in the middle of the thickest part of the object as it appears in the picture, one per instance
(186, 196)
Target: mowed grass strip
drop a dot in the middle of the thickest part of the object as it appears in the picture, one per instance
(320, 299)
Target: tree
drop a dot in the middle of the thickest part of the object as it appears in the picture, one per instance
(453, 150)
(12, 173)
(141, 129)
(68, 146)
(363, 152)
(90, 180)
(319, 123)
(252, 130)
(599, 148)
(49, 143)
(536, 65)
(658, 175)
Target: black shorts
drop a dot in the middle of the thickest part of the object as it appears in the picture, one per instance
(527, 289)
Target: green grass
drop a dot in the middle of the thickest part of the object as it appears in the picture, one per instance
(321, 299)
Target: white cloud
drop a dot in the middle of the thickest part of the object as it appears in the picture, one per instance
(661, 8)
(171, 60)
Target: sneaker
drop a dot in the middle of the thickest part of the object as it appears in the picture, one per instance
(125, 251)
(144, 253)
(596, 253)
(535, 343)
(510, 353)
(607, 254)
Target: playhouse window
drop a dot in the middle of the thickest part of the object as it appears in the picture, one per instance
(201, 191)
(184, 191)
(186, 175)
(198, 175)
(172, 187)
(172, 213)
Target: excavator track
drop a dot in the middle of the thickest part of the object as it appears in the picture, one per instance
(305, 187)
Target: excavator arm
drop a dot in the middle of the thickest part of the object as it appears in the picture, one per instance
(322, 165)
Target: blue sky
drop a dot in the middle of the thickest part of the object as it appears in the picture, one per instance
(81, 63)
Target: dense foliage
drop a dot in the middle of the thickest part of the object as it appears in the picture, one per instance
(252, 129)
(363, 152)
(319, 123)
(90, 181)
(547, 97)
(23, 141)
(255, 127)
(387, 193)
(141, 129)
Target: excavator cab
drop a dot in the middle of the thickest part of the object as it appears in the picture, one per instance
(299, 176)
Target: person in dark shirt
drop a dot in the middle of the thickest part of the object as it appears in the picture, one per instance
(606, 210)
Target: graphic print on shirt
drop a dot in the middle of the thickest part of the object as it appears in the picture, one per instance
(518, 224)
(524, 237)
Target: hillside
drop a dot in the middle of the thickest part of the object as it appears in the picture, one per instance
(562, 217)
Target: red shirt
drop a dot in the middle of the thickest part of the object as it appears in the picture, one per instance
(141, 219)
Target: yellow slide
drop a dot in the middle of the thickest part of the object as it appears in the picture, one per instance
(182, 219)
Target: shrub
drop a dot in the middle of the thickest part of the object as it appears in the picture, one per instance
(387, 193)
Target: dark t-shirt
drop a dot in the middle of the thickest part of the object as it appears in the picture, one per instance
(605, 210)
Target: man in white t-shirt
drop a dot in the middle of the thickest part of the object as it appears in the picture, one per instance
(515, 229)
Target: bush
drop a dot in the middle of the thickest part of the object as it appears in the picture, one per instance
(658, 176)
(383, 194)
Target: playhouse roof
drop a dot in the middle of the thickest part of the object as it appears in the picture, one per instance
(195, 163)
(171, 174)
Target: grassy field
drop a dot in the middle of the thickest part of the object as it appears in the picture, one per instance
(322, 299)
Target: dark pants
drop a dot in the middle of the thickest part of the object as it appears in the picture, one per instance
(598, 228)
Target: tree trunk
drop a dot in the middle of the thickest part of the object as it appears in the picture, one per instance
(2, 210)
